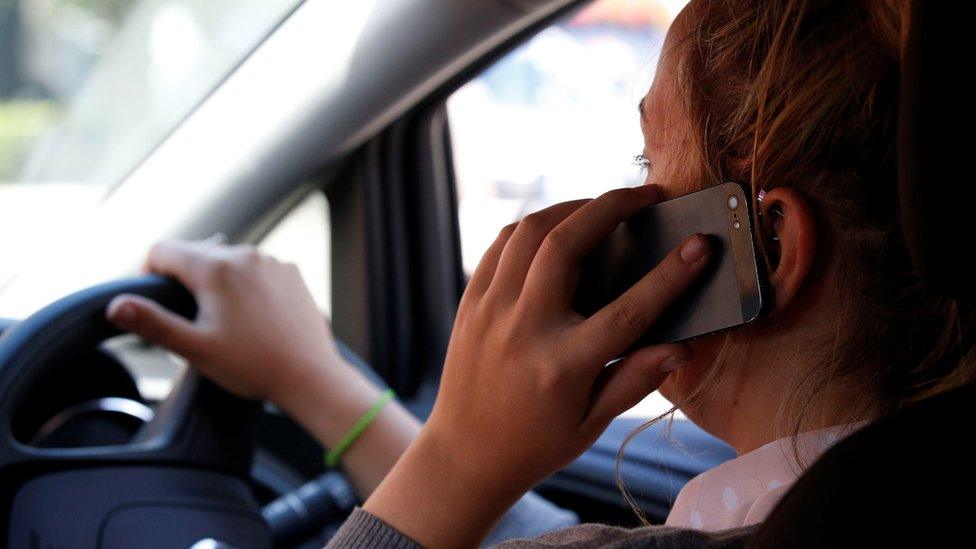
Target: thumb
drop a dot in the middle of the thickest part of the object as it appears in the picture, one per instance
(635, 377)
(154, 323)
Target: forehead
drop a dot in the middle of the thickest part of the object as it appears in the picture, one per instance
(678, 34)
(660, 98)
(667, 62)
(664, 121)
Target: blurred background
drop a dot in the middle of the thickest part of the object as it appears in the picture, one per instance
(571, 93)
(89, 88)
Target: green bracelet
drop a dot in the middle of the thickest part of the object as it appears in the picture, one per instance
(333, 456)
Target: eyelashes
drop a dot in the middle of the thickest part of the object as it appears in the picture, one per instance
(642, 162)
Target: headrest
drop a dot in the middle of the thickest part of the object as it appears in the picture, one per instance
(935, 153)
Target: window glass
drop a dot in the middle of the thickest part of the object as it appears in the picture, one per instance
(303, 237)
(556, 120)
(88, 88)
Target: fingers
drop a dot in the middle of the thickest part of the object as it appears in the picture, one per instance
(633, 378)
(549, 278)
(513, 265)
(619, 324)
(485, 271)
(179, 259)
(154, 323)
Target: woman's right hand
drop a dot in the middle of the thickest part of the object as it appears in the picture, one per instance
(258, 332)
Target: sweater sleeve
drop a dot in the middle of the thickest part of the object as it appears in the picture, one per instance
(363, 529)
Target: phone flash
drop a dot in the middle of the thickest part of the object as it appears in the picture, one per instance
(733, 203)
(736, 225)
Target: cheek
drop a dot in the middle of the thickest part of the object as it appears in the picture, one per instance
(682, 384)
(705, 349)
(662, 175)
(673, 171)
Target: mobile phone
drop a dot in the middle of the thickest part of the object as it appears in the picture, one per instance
(729, 292)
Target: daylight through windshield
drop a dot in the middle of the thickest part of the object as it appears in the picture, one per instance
(89, 87)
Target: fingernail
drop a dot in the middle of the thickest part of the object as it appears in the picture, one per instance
(123, 314)
(693, 250)
(671, 364)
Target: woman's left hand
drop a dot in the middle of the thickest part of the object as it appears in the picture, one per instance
(525, 388)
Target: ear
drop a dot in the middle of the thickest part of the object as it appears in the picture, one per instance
(789, 232)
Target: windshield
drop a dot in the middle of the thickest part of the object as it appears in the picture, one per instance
(89, 87)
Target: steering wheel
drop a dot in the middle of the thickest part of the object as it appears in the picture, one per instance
(180, 482)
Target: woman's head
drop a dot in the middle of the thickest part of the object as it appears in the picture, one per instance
(798, 99)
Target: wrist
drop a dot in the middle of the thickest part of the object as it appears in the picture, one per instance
(439, 497)
(328, 401)
(471, 472)
(305, 378)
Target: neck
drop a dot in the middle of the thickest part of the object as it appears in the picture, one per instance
(751, 407)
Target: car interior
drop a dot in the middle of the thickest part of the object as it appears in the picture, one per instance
(357, 114)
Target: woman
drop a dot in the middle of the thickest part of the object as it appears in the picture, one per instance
(796, 98)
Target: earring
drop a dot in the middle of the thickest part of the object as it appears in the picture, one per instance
(775, 212)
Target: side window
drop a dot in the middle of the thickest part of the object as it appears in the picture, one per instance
(303, 237)
(556, 120)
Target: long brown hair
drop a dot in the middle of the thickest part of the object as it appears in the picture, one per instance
(804, 94)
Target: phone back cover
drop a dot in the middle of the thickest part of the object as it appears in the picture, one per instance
(638, 245)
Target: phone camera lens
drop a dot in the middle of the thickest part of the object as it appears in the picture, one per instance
(733, 202)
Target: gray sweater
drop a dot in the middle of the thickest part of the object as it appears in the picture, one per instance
(362, 529)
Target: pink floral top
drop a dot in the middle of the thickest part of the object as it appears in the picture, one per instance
(744, 490)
